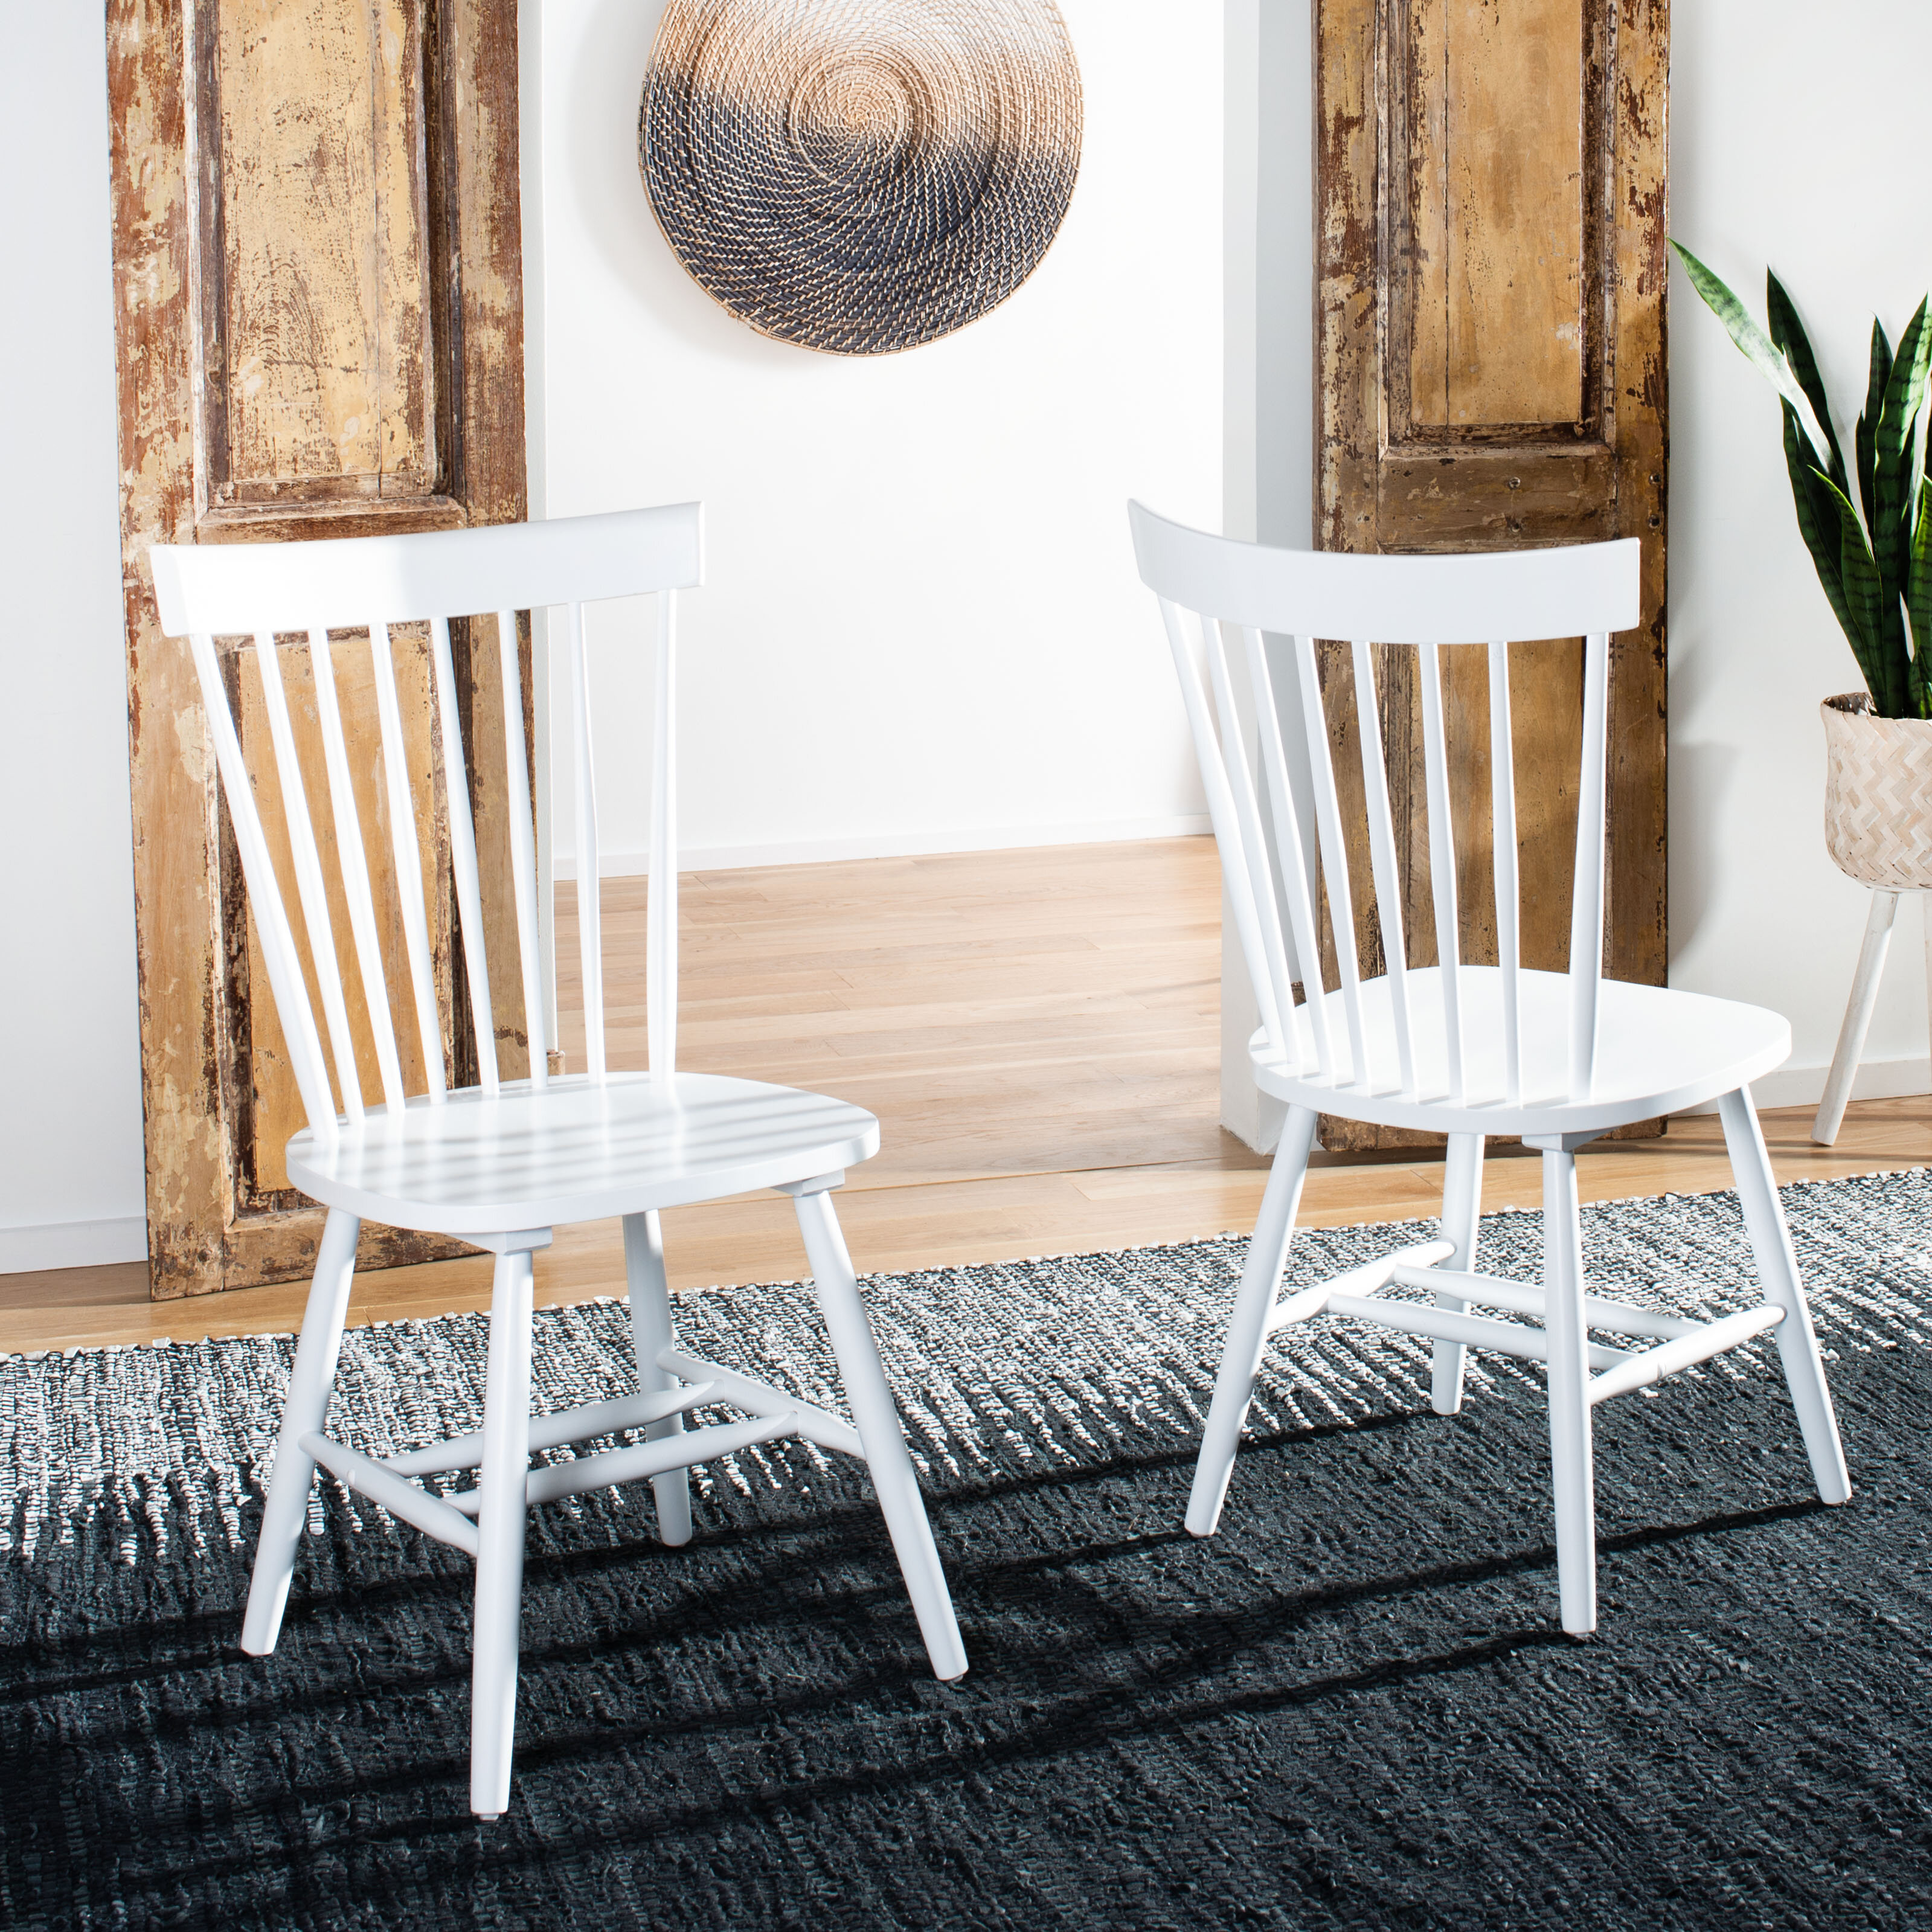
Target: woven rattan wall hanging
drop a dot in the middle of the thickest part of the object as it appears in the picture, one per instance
(859, 176)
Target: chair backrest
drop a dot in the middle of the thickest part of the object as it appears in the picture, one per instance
(1213, 589)
(303, 591)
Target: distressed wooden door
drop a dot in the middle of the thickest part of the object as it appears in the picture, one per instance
(319, 299)
(1490, 343)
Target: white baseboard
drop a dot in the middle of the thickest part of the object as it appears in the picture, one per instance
(918, 845)
(65, 1244)
(1804, 1086)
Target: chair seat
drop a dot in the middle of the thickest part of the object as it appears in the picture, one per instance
(1658, 1050)
(577, 1149)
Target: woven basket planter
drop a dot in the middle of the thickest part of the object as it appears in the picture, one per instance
(1878, 794)
(859, 176)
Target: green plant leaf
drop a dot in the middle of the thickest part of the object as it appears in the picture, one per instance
(1787, 334)
(1893, 448)
(1863, 595)
(1918, 602)
(1872, 565)
(1880, 374)
(1760, 350)
(1817, 519)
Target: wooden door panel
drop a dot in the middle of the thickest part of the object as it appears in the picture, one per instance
(318, 270)
(1489, 352)
(320, 382)
(1478, 498)
(480, 700)
(1491, 125)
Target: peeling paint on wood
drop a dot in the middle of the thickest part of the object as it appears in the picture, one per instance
(1490, 216)
(317, 259)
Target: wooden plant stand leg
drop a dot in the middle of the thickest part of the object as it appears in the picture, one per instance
(309, 1388)
(877, 1420)
(1248, 1326)
(1858, 1012)
(652, 1332)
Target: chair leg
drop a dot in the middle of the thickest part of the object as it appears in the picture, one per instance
(1247, 1328)
(499, 1526)
(1462, 1211)
(877, 1419)
(1858, 1014)
(1571, 1470)
(651, 1331)
(1777, 1274)
(309, 1388)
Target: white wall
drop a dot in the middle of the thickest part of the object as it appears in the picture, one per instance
(1788, 147)
(921, 629)
(875, 663)
(70, 1172)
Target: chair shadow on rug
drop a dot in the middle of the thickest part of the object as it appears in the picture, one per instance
(1154, 1672)
(1325, 1716)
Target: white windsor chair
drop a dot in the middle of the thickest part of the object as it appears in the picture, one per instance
(501, 1163)
(1465, 1050)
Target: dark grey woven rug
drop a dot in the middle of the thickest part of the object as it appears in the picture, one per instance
(1350, 1709)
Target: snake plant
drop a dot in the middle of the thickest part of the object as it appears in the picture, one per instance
(1874, 559)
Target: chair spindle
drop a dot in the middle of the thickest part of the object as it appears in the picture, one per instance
(523, 845)
(462, 857)
(1382, 861)
(589, 924)
(408, 861)
(1288, 837)
(661, 917)
(353, 861)
(1502, 839)
(1586, 903)
(1254, 840)
(1334, 857)
(1221, 812)
(309, 889)
(1442, 864)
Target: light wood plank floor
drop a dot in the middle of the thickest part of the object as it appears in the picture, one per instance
(1037, 1032)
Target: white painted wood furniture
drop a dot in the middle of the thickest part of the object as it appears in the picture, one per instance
(1469, 1051)
(1850, 1049)
(502, 1163)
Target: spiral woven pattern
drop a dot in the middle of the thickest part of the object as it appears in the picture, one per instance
(860, 176)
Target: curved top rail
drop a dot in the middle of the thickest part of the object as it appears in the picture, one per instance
(1569, 592)
(226, 589)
